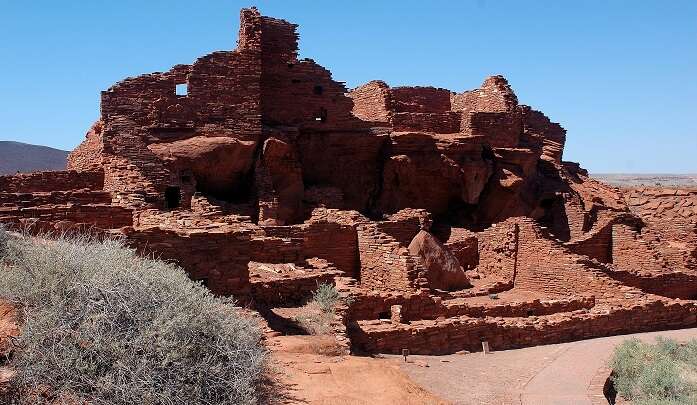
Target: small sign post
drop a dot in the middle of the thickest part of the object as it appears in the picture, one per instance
(485, 347)
(405, 353)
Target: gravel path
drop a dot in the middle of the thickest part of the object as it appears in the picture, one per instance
(543, 375)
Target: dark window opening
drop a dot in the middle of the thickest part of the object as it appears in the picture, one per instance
(487, 153)
(530, 313)
(290, 65)
(547, 203)
(182, 89)
(173, 197)
(295, 80)
(186, 179)
(384, 315)
(321, 116)
(318, 90)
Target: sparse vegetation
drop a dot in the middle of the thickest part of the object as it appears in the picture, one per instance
(326, 297)
(663, 373)
(104, 326)
(316, 316)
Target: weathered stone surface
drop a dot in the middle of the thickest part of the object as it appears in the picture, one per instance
(443, 271)
(220, 165)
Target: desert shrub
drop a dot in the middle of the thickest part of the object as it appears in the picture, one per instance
(663, 373)
(104, 326)
(316, 316)
(326, 297)
(313, 320)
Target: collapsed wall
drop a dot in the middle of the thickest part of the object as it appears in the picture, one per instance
(444, 218)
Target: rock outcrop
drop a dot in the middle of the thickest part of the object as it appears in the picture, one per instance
(443, 271)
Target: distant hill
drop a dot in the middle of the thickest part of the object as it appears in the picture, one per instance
(658, 179)
(23, 157)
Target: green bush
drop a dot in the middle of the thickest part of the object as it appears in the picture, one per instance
(663, 373)
(316, 316)
(104, 326)
(326, 297)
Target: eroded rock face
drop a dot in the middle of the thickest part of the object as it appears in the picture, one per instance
(279, 184)
(219, 164)
(443, 270)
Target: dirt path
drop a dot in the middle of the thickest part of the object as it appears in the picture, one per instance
(311, 378)
(542, 375)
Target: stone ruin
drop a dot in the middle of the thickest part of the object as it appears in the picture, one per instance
(444, 219)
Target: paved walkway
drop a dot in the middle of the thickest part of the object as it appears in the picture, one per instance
(543, 375)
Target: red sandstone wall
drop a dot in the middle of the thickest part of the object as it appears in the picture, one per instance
(498, 249)
(88, 155)
(494, 95)
(464, 333)
(385, 264)
(420, 100)
(51, 181)
(218, 258)
(334, 242)
(51, 218)
(372, 102)
(439, 123)
(74, 197)
(465, 246)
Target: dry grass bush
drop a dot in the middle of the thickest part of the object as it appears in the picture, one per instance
(316, 316)
(104, 326)
(664, 373)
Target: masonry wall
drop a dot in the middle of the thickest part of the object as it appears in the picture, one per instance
(547, 268)
(405, 224)
(53, 218)
(439, 123)
(465, 246)
(420, 100)
(465, 333)
(385, 263)
(219, 259)
(79, 197)
(372, 102)
(88, 155)
(498, 249)
(288, 291)
(51, 181)
(337, 243)
(494, 95)
(321, 237)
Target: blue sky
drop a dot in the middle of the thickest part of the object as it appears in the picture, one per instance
(620, 76)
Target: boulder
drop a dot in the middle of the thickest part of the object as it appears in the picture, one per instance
(443, 270)
(220, 164)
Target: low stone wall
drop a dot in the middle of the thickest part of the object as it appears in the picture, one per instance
(288, 291)
(51, 181)
(51, 217)
(422, 306)
(219, 259)
(373, 305)
(519, 309)
(466, 333)
(672, 285)
(54, 198)
(277, 250)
